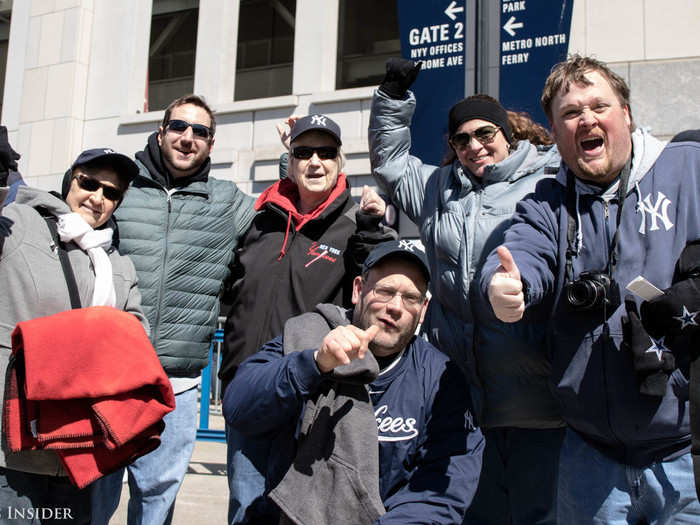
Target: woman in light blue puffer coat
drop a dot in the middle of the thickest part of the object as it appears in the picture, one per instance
(462, 210)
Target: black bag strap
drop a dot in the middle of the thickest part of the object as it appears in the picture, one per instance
(65, 263)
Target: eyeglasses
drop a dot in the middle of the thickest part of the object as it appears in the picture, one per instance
(88, 184)
(384, 295)
(198, 130)
(484, 135)
(323, 152)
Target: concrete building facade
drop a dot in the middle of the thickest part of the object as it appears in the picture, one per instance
(77, 72)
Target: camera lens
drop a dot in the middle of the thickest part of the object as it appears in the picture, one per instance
(585, 294)
(581, 294)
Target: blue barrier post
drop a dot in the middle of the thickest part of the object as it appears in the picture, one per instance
(203, 432)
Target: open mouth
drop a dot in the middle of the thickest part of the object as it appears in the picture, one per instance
(592, 144)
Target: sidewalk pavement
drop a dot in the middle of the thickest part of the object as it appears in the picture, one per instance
(203, 496)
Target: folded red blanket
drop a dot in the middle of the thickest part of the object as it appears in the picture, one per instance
(88, 384)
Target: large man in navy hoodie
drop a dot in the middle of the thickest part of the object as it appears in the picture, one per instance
(382, 436)
(621, 206)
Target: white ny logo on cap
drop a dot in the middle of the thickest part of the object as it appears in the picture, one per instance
(108, 151)
(406, 245)
(318, 119)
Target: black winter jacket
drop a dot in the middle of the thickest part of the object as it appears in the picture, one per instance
(289, 263)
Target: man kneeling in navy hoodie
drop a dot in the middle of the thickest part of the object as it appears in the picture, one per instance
(384, 436)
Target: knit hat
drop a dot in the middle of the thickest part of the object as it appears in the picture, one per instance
(482, 108)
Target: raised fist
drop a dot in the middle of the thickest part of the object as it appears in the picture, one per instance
(400, 74)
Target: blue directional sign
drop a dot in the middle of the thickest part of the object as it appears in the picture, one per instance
(534, 37)
(433, 31)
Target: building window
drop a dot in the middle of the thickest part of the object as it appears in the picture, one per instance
(368, 34)
(172, 51)
(265, 48)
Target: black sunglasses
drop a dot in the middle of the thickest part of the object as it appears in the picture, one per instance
(323, 152)
(198, 130)
(110, 192)
(484, 135)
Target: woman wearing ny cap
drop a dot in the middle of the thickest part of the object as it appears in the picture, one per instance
(306, 244)
(34, 284)
(462, 209)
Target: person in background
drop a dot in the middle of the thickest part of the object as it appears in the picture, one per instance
(622, 206)
(462, 209)
(689, 135)
(305, 246)
(180, 226)
(9, 176)
(387, 435)
(34, 231)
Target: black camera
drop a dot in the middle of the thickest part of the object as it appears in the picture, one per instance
(590, 291)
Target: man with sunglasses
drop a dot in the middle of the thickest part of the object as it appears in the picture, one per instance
(387, 434)
(305, 246)
(180, 226)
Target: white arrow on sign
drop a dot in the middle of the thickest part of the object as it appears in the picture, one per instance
(512, 24)
(452, 9)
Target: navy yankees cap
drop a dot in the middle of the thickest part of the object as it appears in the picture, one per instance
(316, 123)
(401, 248)
(122, 165)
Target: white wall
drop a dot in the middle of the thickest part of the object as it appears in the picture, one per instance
(76, 78)
(655, 46)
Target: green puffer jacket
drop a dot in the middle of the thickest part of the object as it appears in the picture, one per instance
(181, 242)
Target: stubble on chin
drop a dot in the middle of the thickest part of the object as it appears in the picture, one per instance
(601, 175)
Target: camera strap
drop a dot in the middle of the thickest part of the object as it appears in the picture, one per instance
(572, 220)
(621, 194)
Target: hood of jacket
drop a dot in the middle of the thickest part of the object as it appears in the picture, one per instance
(524, 160)
(334, 315)
(37, 198)
(51, 202)
(284, 194)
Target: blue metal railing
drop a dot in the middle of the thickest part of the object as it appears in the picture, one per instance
(204, 433)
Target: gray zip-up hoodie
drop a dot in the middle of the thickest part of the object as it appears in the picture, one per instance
(33, 285)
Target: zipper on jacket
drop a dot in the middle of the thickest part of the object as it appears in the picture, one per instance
(606, 336)
(159, 303)
(479, 197)
(608, 237)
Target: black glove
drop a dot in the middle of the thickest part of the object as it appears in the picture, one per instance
(675, 315)
(8, 157)
(400, 74)
(652, 360)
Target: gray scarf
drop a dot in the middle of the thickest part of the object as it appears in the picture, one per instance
(334, 478)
